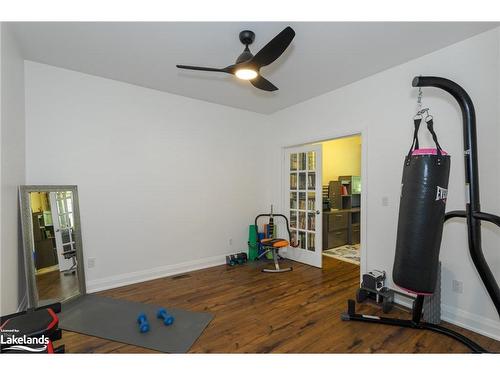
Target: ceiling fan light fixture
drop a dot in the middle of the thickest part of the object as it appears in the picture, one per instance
(247, 66)
(246, 74)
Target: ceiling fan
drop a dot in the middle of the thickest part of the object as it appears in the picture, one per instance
(247, 66)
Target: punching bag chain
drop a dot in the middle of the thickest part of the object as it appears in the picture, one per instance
(420, 110)
(419, 99)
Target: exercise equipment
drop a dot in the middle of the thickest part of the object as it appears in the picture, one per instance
(373, 287)
(429, 218)
(260, 247)
(273, 245)
(142, 320)
(269, 232)
(424, 188)
(31, 331)
(168, 319)
(253, 247)
(110, 319)
(241, 258)
(432, 303)
(235, 259)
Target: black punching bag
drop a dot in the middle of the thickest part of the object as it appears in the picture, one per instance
(424, 189)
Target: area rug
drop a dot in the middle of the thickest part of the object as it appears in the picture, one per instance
(346, 253)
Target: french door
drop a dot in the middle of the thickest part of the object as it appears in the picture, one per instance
(303, 202)
(61, 203)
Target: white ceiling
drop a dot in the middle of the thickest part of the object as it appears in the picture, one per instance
(321, 58)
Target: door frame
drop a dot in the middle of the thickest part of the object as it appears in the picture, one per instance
(338, 133)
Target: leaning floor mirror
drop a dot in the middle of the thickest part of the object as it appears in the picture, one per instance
(53, 252)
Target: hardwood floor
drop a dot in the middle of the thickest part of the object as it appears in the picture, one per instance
(53, 285)
(293, 312)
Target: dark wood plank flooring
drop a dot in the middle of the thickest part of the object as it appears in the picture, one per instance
(54, 285)
(294, 312)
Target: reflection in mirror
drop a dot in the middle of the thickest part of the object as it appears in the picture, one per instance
(54, 259)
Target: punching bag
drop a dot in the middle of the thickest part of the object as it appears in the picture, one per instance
(424, 189)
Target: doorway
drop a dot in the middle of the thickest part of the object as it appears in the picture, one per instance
(341, 209)
(323, 201)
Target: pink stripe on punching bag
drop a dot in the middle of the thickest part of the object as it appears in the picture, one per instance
(413, 292)
(427, 151)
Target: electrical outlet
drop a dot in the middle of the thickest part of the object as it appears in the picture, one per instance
(457, 286)
(230, 242)
(91, 262)
(385, 201)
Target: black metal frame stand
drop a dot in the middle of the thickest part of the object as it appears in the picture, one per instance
(472, 213)
(415, 323)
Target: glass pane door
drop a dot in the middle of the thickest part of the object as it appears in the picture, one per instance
(62, 216)
(303, 200)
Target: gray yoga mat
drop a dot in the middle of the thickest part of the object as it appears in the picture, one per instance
(116, 320)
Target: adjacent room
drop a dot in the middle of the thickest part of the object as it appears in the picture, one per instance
(250, 187)
(341, 183)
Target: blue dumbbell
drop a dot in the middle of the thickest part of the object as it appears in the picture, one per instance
(142, 320)
(167, 318)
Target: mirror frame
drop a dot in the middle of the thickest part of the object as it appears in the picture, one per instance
(27, 233)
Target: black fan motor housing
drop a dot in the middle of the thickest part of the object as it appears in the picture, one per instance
(247, 37)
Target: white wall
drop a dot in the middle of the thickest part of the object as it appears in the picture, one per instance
(12, 171)
(382, 106)
(164, 181)
(144, 216)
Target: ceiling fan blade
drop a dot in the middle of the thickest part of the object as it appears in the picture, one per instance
(263, 84)
(202, 68)
(272, 50)
(230, 69)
